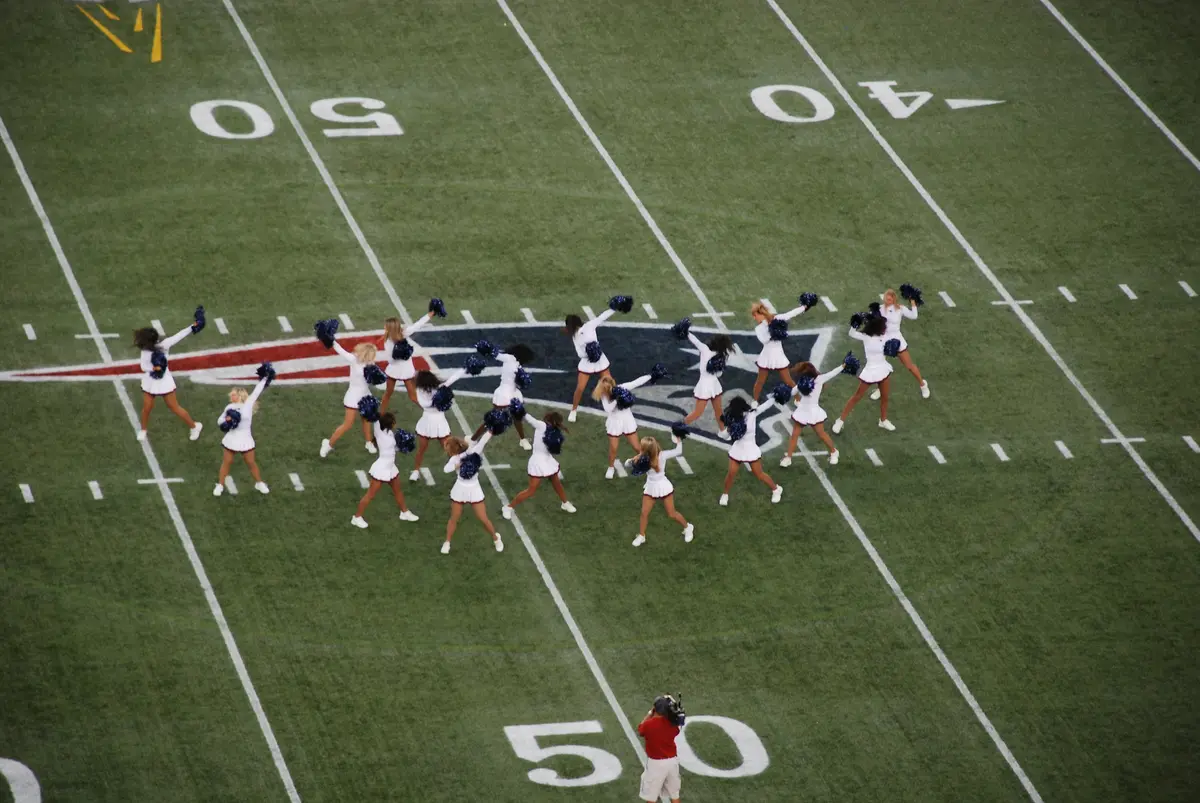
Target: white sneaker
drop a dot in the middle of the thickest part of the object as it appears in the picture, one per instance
(571, 416)
(371, 448)
(526, 445)
(837, 426)
(445, 547)
(506, 512)
(723, 434)
(776, 494)
(833, 458)
(888, 425)
(326, 447)
(641, 539)
(924, 390)
(567, 506)
(724, 500)
(499, 542)
(262, 488)
(875, 394)
(141, 436)
(610, 473)
(359, 522)
(689, 532)
(785, 462)
(195, 432)
(218, 489)
(415, 475)
(408, 515)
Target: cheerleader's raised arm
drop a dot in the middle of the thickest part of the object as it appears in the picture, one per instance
(157, 381)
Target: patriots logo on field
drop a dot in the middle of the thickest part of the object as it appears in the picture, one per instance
(632, 348)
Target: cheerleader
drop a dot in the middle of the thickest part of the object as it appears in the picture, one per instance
(712, 364)
(894, 313)
(771, 330)
(383, 471)
(592, 360)
(156, 375)
(877, 345)
(235, 421)
(363, 373)
(466, 461)
(652, 462)
(543, 463)
(742, 420)
(434, 403)
(618, 401)
(400, 352)
(513, 379)
(808, 412)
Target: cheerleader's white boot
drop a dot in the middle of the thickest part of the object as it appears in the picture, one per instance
(875, 394)
(499, 542)
(833, 458)
(571, 416)
(218, 489)
(326, 447)
(610, 473)
(408, 515)
(194, 433)
(141, 436)
(526, 445)
(641, 539)
(924, 390)
(567, 506)
(415, 475)
(506, 512)
(371, 448)
(445, 547)
(888, 425)
(359, 522)
(837, 426)
(776, 494)
(262, 488)
(785, 462)
(724, 500)
(689, 532)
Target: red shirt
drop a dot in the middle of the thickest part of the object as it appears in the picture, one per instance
(660, 735)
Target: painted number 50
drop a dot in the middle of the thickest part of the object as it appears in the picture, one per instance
(376, 124)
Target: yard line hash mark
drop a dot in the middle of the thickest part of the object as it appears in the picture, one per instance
(94, 487)
(528, 313)
(766, 302)
(1187, 288)
(650, 313)
(151, 458)
(620, 467)
(1066, 294)
(29, 333)
(296, 483)
(284, 324)
(362, 478)
(427, 475)
(231, 486)
(466, 313)
(999, 450)
(221, 327)
(828, 302)
(937, 455)
(946, 298)
(874, 458)
(26, 493)
(158, 327)
(591, 316)
(1191, 442)
(1063, 450)
(345, 319)
(684, 465)
(1125, 289)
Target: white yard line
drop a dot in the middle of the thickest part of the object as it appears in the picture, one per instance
(29, 333)
(164, 488)
(26, 493)
(1066, 294)
(1091, 51)
(1063, 450)
(94, 487)
(385, 282)
(983, 268)
(1125, 289)
(937, 455)
(946, 298)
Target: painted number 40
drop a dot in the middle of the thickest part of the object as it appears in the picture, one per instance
(375, 124)
(607, 767)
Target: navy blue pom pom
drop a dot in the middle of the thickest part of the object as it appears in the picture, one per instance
(850, 365)
(808, 300)
(778, 328)
(474, 365)
(405, 441)
(516, 408)
(891, 348)
(486, 349)
(623, 397)
(443, 399)
(621, 303)
(158, 361)
(593, 352)
(910, 293)
(523, 379)
(716, 364)
(681, 328)
(469, 466)
(402, 350)
(806, 385)
(198, 320)
(497, 420)
(781, 393)
(554, 439)
(437, 307)
(231, 421)
(368, 408)
(873, 309)
(640, 465)
(680, 429)
(266, 371)
(326, 331)
(737, 429)
(857, 320)
(657, 372)
(373, 374)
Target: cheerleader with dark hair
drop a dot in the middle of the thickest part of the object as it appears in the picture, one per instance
(592, 360)
(712, 363)
(876, 345)
(399, 351)
(652, 462)
(808, 412)
(435, 398)
(771, 330)
(156, 374)
(513, 379)
(618, 401)
(235, 421)
(894, 313)
(383, 471)
(466, 461)
(742, 421)
(548, 437)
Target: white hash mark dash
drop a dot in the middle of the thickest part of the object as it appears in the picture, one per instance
(1063, 450)
(346, 322)
(362, 478)
(591, 316)
(619, 465)
(650, 313)
(284, 324)
(874, 458)
(766, 302)
(158, 327)
(26, 493)
(296, 483)
(937, 455)
(528, 313)
(946, 298)
(221, 327)
(94, 487)
(29, 333)
(828, 302)
(466, 313)
(999, 450)
(230, 485)
(685, 465)
(427, 475)
(1187, 288)
(1066, 294)
(1191, 442)
(1128, 292)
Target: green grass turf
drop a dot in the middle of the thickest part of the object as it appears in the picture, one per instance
(1062, 591)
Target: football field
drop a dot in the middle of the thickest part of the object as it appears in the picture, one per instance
(998, 601)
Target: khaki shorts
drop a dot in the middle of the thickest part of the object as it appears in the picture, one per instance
(661, 777)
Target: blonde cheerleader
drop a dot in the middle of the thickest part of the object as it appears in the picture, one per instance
(808, 412)
(235, 421)
(548, 438)
(363, 374)
(618, 401)
(156, 375)
(652, 462)
(877, 346)
(399, 352)
(742, 420)
(894, 313)
(466, 461)
(513, 379)
(434, 398)
(771, 329)
(712, 364)
(383, 471)
(592, 360)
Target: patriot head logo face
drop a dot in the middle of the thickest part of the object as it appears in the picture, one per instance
(632, 348)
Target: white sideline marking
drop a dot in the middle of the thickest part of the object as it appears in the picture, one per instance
(221, 327)
(874, 458)
(591, 316)
(1125, 289)
(619, 465)
(946, 298)
(427, 475)
(1124, 86)
(1191, 442)
(1063, 450)
(158, 327)
(362, 478)
(1007, 302)
(94, 487)
(98, 336)
(345, 319)
(296, 483)
(828, 302)
(185, 538)
(1187, 288)
(29, 333)
(528, 313)
(1066, 294)
(937, 455)
(1023, 316)
(26, 493)
(1123, 441)
(230, 485)
(650, 313)
(766, 302)
(284, 323)
(999, 450)
(684, 464)
(159, 480)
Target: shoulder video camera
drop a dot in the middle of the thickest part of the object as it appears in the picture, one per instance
(672, 708)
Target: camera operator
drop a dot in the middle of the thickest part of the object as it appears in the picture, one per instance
(659, 729)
